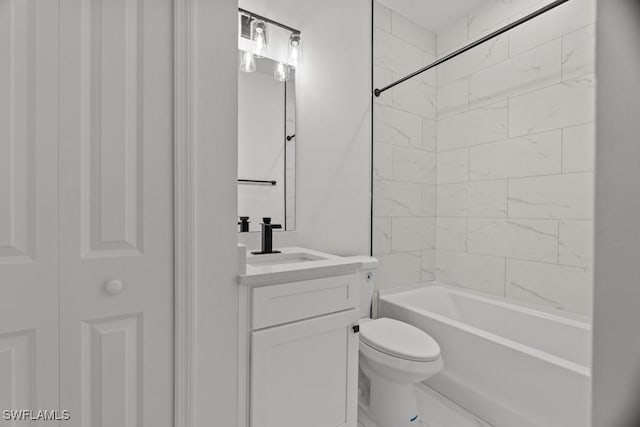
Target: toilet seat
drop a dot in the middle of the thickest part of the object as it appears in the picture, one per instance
(400, 340)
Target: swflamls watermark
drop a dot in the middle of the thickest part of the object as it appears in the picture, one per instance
(40, 415)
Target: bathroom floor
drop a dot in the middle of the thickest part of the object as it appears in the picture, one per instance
(441, 412)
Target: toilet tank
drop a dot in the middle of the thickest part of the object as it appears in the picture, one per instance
(366, 279)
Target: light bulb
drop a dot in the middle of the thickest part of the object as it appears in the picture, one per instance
(260, 44)
(259, 37)
(295, 50)
(247, 62)
(281, 73)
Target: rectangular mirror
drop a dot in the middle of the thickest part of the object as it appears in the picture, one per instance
(266, 146)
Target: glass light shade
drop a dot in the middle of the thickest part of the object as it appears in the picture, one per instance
(247, 62)
(295, 50)
(281, 73)
(259, 37)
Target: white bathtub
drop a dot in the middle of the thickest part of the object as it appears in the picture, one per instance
(511, 365)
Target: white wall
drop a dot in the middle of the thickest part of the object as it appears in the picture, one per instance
(616, 376)
(515, 155)
(216, 125)
(404, 152)
(334, 122)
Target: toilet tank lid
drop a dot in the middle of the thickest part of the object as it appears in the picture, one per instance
(400, 340)
(368, 262)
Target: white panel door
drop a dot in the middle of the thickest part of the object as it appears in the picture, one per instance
(28, 206)
(305, 374)
(116, 204)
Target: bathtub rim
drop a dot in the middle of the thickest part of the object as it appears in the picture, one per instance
(526, 305)
(574, 320)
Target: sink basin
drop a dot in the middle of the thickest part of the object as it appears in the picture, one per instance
(293, 264)
(283, 258)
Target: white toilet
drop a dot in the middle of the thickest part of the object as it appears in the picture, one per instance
(394, 357)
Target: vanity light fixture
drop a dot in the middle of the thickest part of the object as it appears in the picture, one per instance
(255, 28)
(247, 62)
(259, 37)
(295, 50)
(281, 72)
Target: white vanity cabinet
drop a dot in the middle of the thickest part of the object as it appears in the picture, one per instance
(303, 353)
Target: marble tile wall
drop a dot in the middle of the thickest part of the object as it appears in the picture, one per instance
(515, 155)
(483, 168)
(405, 128)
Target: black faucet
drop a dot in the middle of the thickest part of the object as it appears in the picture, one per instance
(244, 224)
(267, 237)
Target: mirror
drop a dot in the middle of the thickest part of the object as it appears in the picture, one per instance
(266, 146)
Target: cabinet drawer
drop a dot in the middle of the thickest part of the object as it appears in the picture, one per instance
(277, 304)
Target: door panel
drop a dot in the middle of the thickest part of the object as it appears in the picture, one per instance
(113, 120)
(16, 130)
(113, 370)
(28, 206)
(17, 371)
(116, 232)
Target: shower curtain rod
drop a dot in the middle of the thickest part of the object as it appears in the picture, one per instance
(552, 5)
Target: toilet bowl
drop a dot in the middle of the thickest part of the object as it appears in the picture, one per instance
(394, 357)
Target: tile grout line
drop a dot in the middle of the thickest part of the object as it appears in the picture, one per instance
(512, 178)
(488, 218)
(505, 277)
(558, 258)
(562, 150)
(497, 257)
(508, 181)
(495, 141)
(466, 235)
(509, 97)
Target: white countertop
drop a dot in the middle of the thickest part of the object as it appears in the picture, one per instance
(330, 265)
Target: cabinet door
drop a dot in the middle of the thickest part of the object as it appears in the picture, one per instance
(305, 374)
